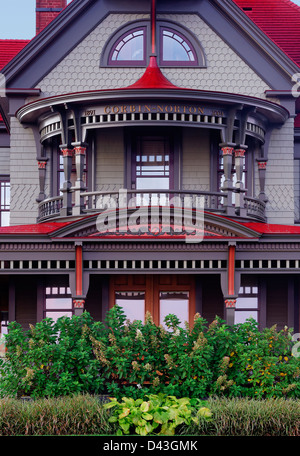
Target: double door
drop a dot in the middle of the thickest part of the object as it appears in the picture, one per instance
(158, 294)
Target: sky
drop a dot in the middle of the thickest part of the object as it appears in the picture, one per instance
(17, 18)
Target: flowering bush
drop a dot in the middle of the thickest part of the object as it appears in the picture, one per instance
(50, 359)
(260, 364)
(123, 358)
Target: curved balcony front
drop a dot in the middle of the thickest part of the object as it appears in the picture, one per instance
(86, 203)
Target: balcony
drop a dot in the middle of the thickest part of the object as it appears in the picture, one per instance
(86, 203)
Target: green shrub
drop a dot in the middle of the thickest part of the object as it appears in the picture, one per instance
(131, 359)
(51, 359)
(139, 359)
(258, 364)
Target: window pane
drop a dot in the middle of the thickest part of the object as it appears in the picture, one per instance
(130, 47)
(242, 316)
(132, 303)
(58, 303)
(4, 218)
(247, 303)
(56, 315)
(176, 303)
(173, 50)
(176, 48)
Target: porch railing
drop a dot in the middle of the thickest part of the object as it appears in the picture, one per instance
(50, 208)
(255, 208)
(98, 201)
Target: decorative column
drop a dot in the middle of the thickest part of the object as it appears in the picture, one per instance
(227, 151)
(67, 154)
(230, 305)
(79, 299)
(42, 162)
(78, 306)
(230, 297)
(239, 157)
(80, 152)
(262, 167)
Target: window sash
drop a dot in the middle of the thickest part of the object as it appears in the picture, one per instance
(4, 202)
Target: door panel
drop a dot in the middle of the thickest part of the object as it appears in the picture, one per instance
(157, 294)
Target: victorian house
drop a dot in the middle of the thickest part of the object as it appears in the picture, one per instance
(150, 158)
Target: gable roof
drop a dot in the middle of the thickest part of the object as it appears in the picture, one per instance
(279, 20)
(51, 45)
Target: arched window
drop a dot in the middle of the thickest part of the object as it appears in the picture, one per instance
(176, 46)
(129, 48)
(176, 49)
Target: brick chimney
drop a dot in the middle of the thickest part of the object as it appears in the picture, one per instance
(46, 11)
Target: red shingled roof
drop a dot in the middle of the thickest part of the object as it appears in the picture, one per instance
(9, 49)
(34, 229)
(50, 229)
(279, 20)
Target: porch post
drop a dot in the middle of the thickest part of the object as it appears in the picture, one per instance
(230, 305)
(78, 299)
(78, 306)
(262, 167)
(42, 162)
(67, 154)
(230, 285)
(80, 153)
(227, 151)
(239, 156)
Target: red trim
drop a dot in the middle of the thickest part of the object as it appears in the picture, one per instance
(153, 27)
(231, 269)
(78, 303)
(230, 303)
(153, 78)
(78, 250)
(51, 228)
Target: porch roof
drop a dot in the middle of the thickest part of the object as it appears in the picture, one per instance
(53, 230)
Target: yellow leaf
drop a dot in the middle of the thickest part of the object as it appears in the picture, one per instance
(125, 413)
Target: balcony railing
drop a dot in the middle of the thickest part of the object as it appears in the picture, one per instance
(50, 208)
(99, 201)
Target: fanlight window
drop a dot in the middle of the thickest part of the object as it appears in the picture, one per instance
(175, 46)
(176, 49)
(129, 48)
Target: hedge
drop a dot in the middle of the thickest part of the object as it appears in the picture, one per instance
(123, 358)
